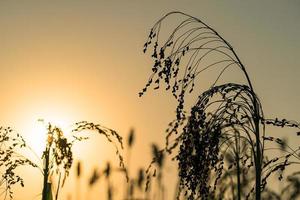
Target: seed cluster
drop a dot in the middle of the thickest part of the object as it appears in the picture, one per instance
(225, 129)
(11, 144)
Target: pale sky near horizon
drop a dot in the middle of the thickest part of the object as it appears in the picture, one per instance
(67, 61)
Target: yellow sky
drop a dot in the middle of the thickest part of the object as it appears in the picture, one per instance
(67, 61)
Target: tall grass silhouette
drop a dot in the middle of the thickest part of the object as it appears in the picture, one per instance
(11, 146)
(135, 186)
(227, 118)
(57, 156)
(59, 148)
(220, 143)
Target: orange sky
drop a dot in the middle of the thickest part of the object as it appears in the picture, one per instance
(67, 61)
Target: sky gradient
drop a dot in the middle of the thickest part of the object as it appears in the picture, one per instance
(66, 61)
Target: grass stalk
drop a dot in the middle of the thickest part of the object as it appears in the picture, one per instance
(58, 186)
(238, 171)
(46, 189)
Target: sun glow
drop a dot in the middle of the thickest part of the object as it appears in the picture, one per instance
(37, 131)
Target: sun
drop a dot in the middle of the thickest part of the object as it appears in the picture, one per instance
(37, 136)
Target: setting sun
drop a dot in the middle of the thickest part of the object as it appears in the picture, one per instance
(37, 136)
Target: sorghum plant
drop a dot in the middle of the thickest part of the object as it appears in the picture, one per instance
(58, 155)
(227, 117)
(11, 146)
(130, 143)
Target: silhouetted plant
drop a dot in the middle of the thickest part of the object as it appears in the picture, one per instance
(137, 184)
(158, 156)
(238, 174)
(224, 116)
(292, 190)
(140, 178)
(94, 178)
(78, 169)
(131, 138)
(130, 142)
(58, 158)
(58, 154)
(11, 146)
(155, 169)
(107, 173)
(269, 194)
(111, 135)
(78, 176)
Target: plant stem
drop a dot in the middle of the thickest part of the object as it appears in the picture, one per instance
(232, 188)
(238, 171)
(127, 184)
(58, 186)
(258, 161)
(256, 119)
(46, 174)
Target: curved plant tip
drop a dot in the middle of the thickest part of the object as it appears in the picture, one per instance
(111, 135)
(227, 118)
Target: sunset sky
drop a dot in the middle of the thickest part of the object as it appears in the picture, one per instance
(72, 60)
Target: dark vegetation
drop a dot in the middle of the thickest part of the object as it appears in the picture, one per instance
(222, 141)
(220, 144)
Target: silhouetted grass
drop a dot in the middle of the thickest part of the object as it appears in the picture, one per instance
(11, 146)
(220, 144)
(226, 118)
(57, 156)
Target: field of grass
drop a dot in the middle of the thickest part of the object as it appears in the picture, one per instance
(220, 145)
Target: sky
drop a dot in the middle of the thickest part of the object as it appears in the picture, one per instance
(67, 61)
